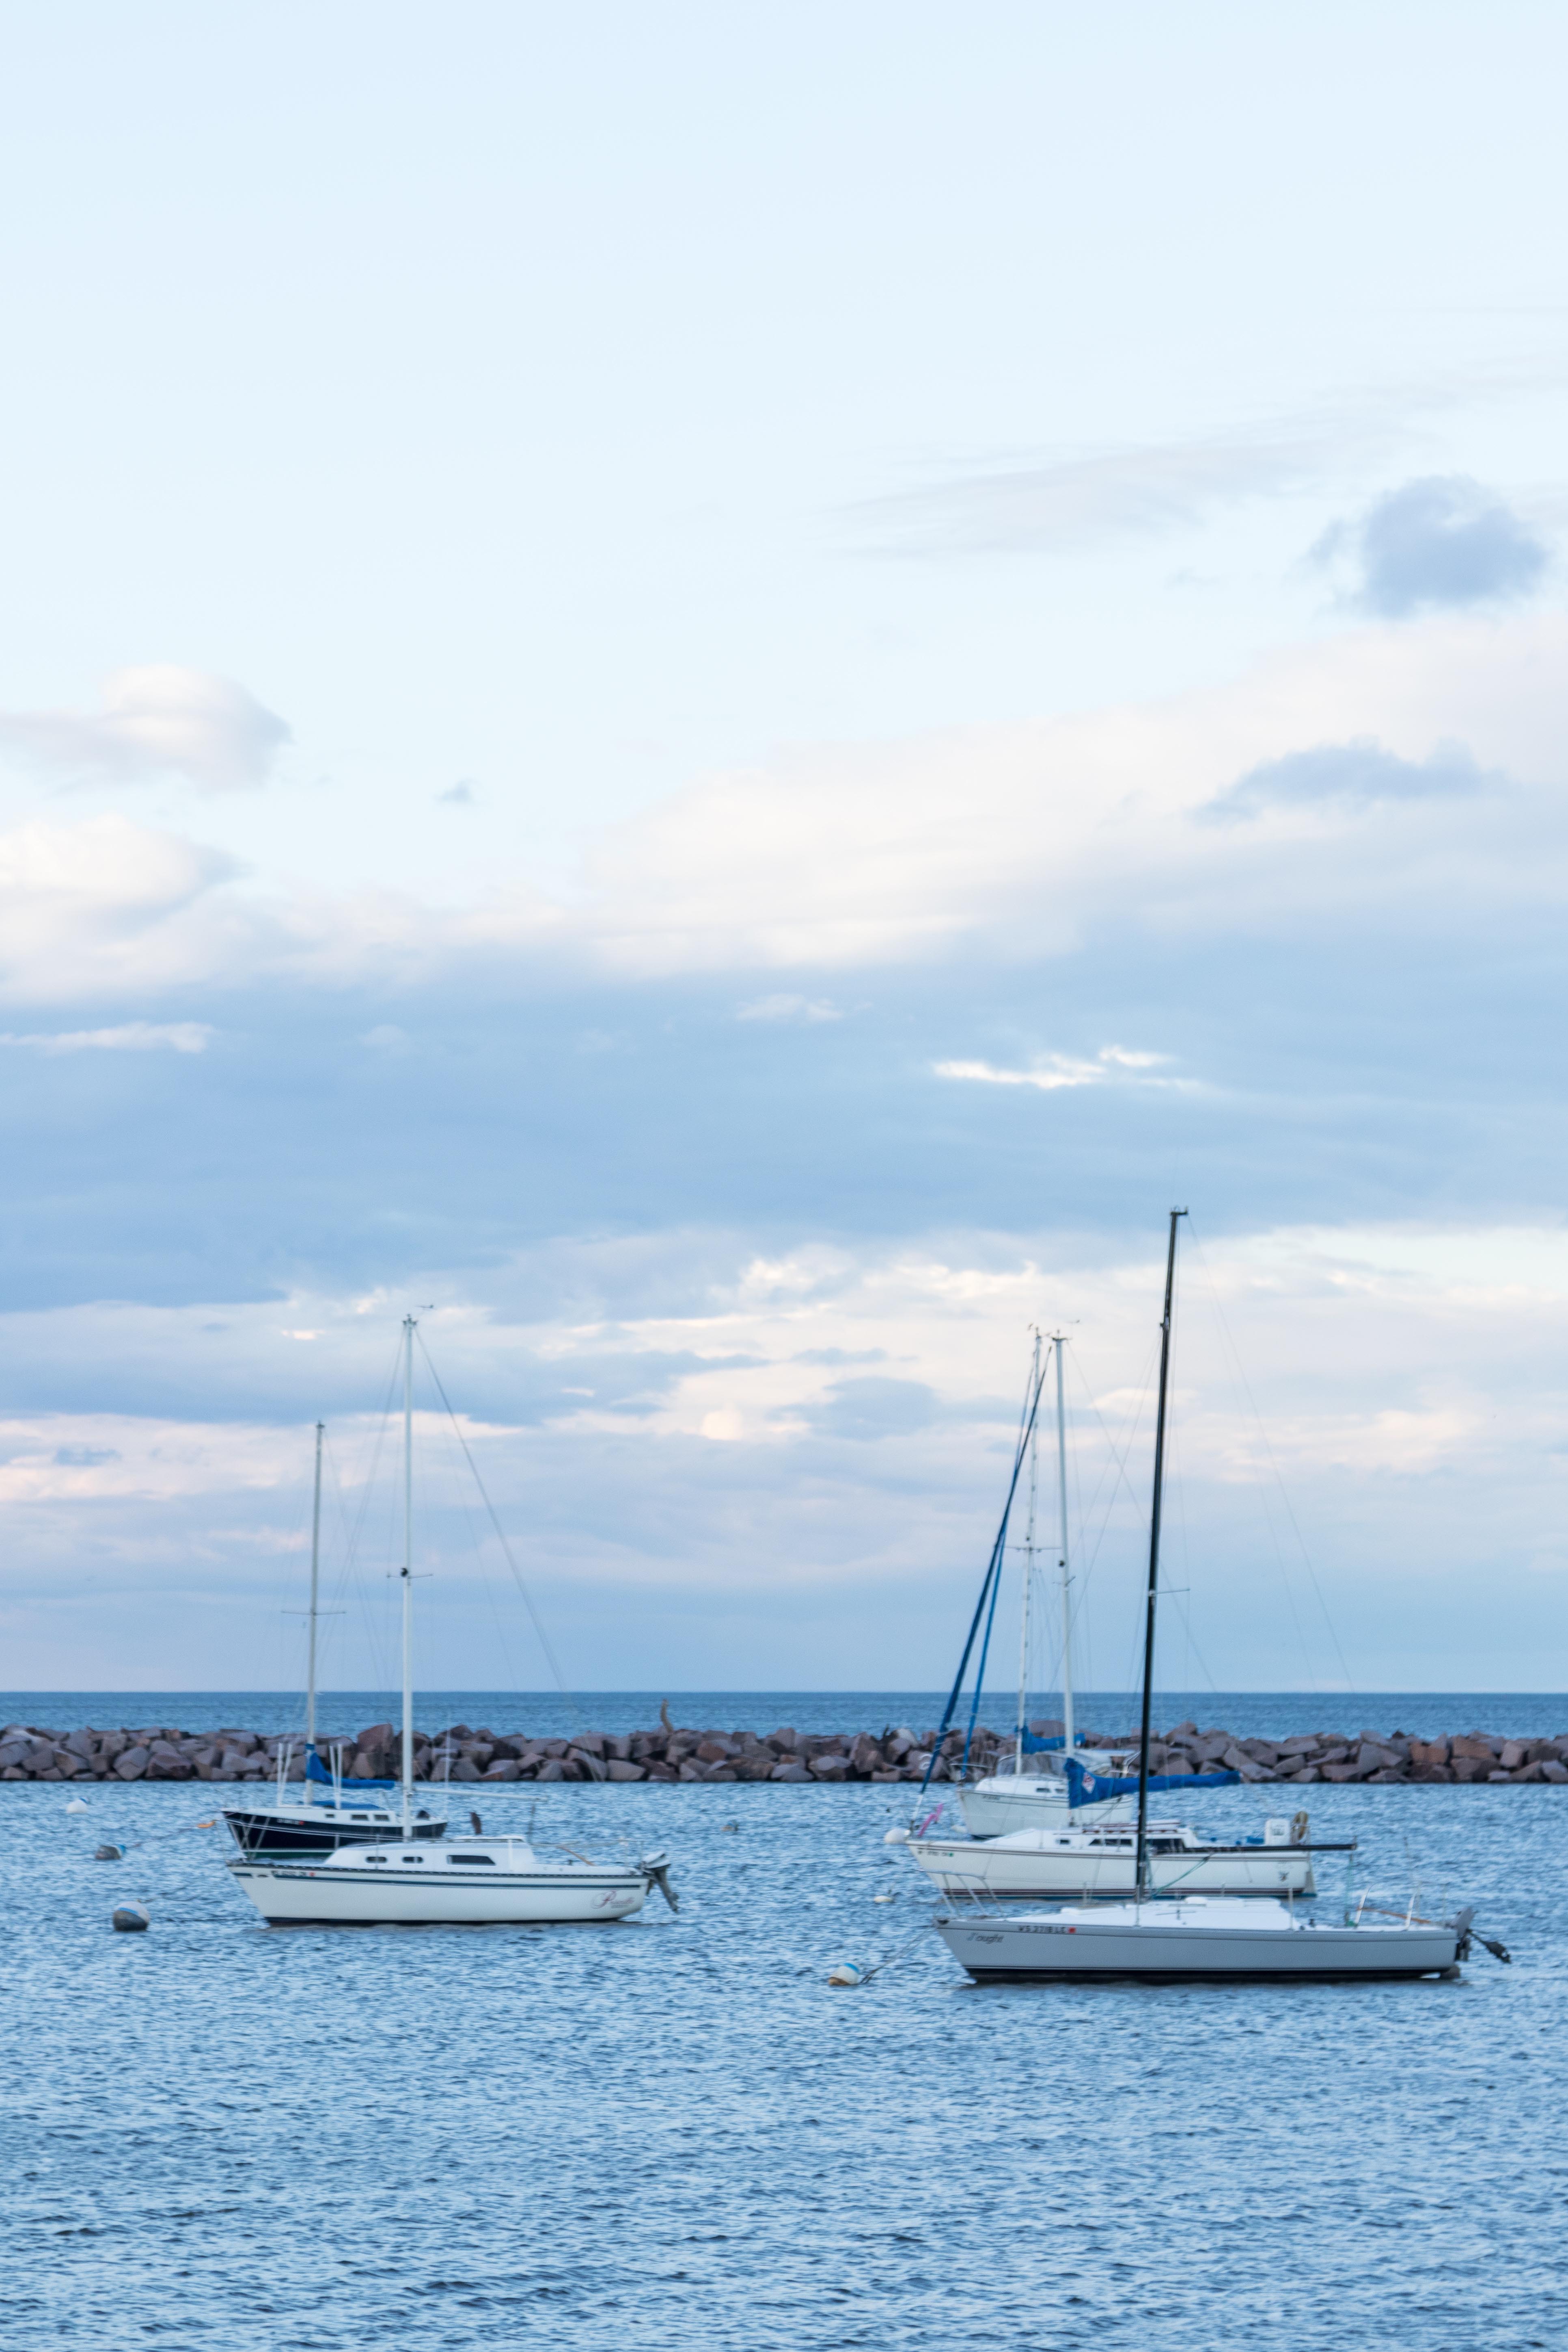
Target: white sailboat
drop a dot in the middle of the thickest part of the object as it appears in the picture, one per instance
(1154, 1938)
(461, 1882)
(332, 1812)
(1201, 1936)
(1100, 1858)
(1005, 1802)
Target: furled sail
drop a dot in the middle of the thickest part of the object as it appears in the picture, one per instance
(1094, 1787)
(316, 1771)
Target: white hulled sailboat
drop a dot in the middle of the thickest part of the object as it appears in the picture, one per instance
(463, 1882)
(1154, 1938)
(1040, 1800)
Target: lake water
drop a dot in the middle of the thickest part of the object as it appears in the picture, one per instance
(674, 2134)
(1533, 1715)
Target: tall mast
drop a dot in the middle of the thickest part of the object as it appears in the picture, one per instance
(408, 1327)
(1141, 1875)
(1029, 1568)
(1062, 1539)
(315, 1594)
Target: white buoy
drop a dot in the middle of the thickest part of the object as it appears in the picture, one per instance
(846, 1972)
(896, 1837)
(884, 1898)
(77, 1805)
(131, 1918)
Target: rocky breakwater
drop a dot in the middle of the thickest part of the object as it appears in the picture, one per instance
(462, 1755)
(1368, 1756)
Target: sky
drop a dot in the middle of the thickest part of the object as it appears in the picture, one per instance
(716, 695)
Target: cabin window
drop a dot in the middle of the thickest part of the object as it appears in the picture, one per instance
(413, 1857)
(488, 1859)
(359, 1817)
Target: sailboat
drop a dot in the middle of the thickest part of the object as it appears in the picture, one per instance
(336, 1810)
(1100, 1858)
(1048, 1798)
(1019, 1800)
(467, 1881)
(1154, 1938)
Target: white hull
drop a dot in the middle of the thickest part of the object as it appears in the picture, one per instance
(1036, 1863)
(1022, 1801)
(1170, 1940)
(472, 1883)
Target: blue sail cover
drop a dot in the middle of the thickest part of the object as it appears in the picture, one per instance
(316, 1771)
(1094, 1787)
(1033, 1747)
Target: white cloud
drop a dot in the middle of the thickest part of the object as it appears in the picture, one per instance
(1028, 838)
(1018, 842)
(131, 1037)
(1053, 1070)
(109, 1457)
(156, 719)
(108, 907)
(1160, 487)
(789, 1008)
(1409, 1381)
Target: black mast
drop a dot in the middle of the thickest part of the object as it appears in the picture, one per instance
(1140, 1881)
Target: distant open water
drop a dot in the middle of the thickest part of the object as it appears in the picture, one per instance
(673, 2134)
(1532, 1714)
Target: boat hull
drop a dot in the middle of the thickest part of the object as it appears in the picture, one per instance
(313, 1829)
(976, 1871)
(1055, 1950)
(298, 1894)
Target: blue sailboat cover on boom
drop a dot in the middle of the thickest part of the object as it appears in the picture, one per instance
(1093, 1787)
(316, 1771)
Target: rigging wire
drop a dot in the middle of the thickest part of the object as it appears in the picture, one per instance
(1118, 1453)
(1239, 1375)
(477, 1545)
(350, 1576)
(542, 1637)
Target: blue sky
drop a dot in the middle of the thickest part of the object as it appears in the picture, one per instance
(722, 695)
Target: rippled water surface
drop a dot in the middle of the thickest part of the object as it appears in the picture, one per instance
(548, 1713)
(674, 2134)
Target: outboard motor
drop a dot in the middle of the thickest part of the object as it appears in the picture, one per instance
(655, 1868)
(1460, 1922)
(1467, 1936)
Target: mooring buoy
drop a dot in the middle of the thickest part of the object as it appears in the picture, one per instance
(131, 1918)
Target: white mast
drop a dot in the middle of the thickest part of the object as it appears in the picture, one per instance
(1062, 1556)
(315, 1590)
(1028, 1564)
(408, 1327)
